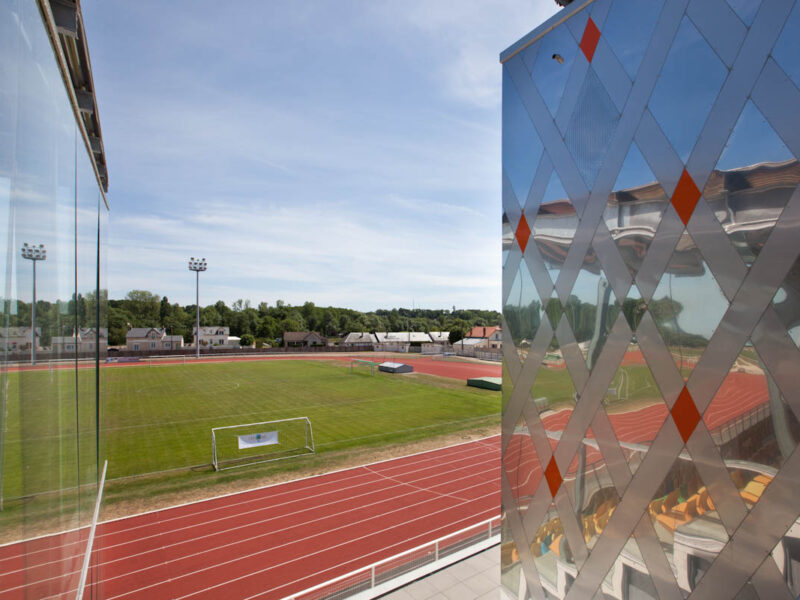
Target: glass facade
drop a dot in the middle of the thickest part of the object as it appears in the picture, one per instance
(651, 302)
(53, 212)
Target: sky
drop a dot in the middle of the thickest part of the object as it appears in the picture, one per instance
(346, 153)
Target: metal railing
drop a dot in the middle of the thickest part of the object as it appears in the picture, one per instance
(375, 579)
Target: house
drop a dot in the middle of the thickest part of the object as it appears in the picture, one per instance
(303, 339)
(402, 337)
(439, 337)
(359, 338)
(15, 339)
(474, 343)
(216, 336)
(492, 335)
(151, 338)
(86, 340)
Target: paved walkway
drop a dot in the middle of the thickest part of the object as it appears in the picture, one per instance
(476, 578)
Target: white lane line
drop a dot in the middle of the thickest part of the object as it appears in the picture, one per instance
(434, 455)
(327, 548)
(251, 524)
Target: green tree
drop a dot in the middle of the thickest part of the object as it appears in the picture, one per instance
(247, 339)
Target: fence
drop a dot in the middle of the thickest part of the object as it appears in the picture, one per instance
(385, 575)
(476, 353)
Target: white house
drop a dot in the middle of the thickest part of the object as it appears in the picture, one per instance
(358, 338)
(151, 338)
(215, 336)
(14, 339)
(86, 340)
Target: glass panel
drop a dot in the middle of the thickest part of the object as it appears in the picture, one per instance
(752, 182)
(549, 73)
(687, 305)
(510, 565)
(687, 87)
(521, 464)
(554, 226)
(686, 522)
(553, 390)
(628, 28)
(635, 209)
(752, 425)
(591, 308)
(787, 50)
(634, 406)
(44, 441)
(591, 127)
(522, 147)
(508, 238)
(628, 576)
(523, 310)
(746, 9)
(786, 302)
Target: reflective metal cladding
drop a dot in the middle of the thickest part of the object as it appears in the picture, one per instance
(651, 299)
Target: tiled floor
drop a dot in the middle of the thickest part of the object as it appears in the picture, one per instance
(476, 578)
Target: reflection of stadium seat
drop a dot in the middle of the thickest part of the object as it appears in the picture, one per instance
(752, 491)
(765, 479)
(554, 547)
(738, 479)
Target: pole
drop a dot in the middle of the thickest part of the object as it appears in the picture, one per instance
(33, 318)
(197, 335)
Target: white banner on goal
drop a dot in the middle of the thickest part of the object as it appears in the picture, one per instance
(253, 440)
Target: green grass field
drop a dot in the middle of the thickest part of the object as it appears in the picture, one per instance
(160, 418)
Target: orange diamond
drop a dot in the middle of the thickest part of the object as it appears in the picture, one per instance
(685, 414)
(685, 197)
(591, 35)
(523, 233)
(553, 476)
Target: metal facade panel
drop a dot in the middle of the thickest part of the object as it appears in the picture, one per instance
(657, 386)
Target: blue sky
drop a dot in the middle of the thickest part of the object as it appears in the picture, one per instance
(346, 153)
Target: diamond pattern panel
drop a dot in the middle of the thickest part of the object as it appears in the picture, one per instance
(696, 386)
(591, 35)
(522, 147)
(591, 308)
(591, 127)
(523, 310)
(749, 418)
(787, 50)
(634, 209)
(751, 183)
(689, 83)
(634, 407)
(554, 226)
(687, 305)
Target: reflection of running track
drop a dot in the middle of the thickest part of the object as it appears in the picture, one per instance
(455, 370)
(273, 541)
(738, 394)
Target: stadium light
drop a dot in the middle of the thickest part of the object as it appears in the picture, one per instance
(197, 265)
(33, 254)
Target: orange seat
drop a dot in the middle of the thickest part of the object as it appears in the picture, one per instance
(765, 479)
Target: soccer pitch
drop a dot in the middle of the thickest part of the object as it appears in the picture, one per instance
(160, 418)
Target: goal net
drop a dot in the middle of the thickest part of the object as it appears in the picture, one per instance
(358, 365)
(241, 445)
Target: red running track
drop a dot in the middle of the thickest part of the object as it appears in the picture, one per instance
(273, 541)
(427, 365)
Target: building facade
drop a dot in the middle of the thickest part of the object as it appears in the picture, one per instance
(216, 336)
(651, 302)
(144, 339)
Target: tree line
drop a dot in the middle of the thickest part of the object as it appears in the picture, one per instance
(267, 322)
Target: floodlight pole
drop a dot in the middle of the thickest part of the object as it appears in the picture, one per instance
(197, 265)
(33, 253)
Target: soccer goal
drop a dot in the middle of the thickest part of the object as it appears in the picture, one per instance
(242, 445)
(358, 365)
